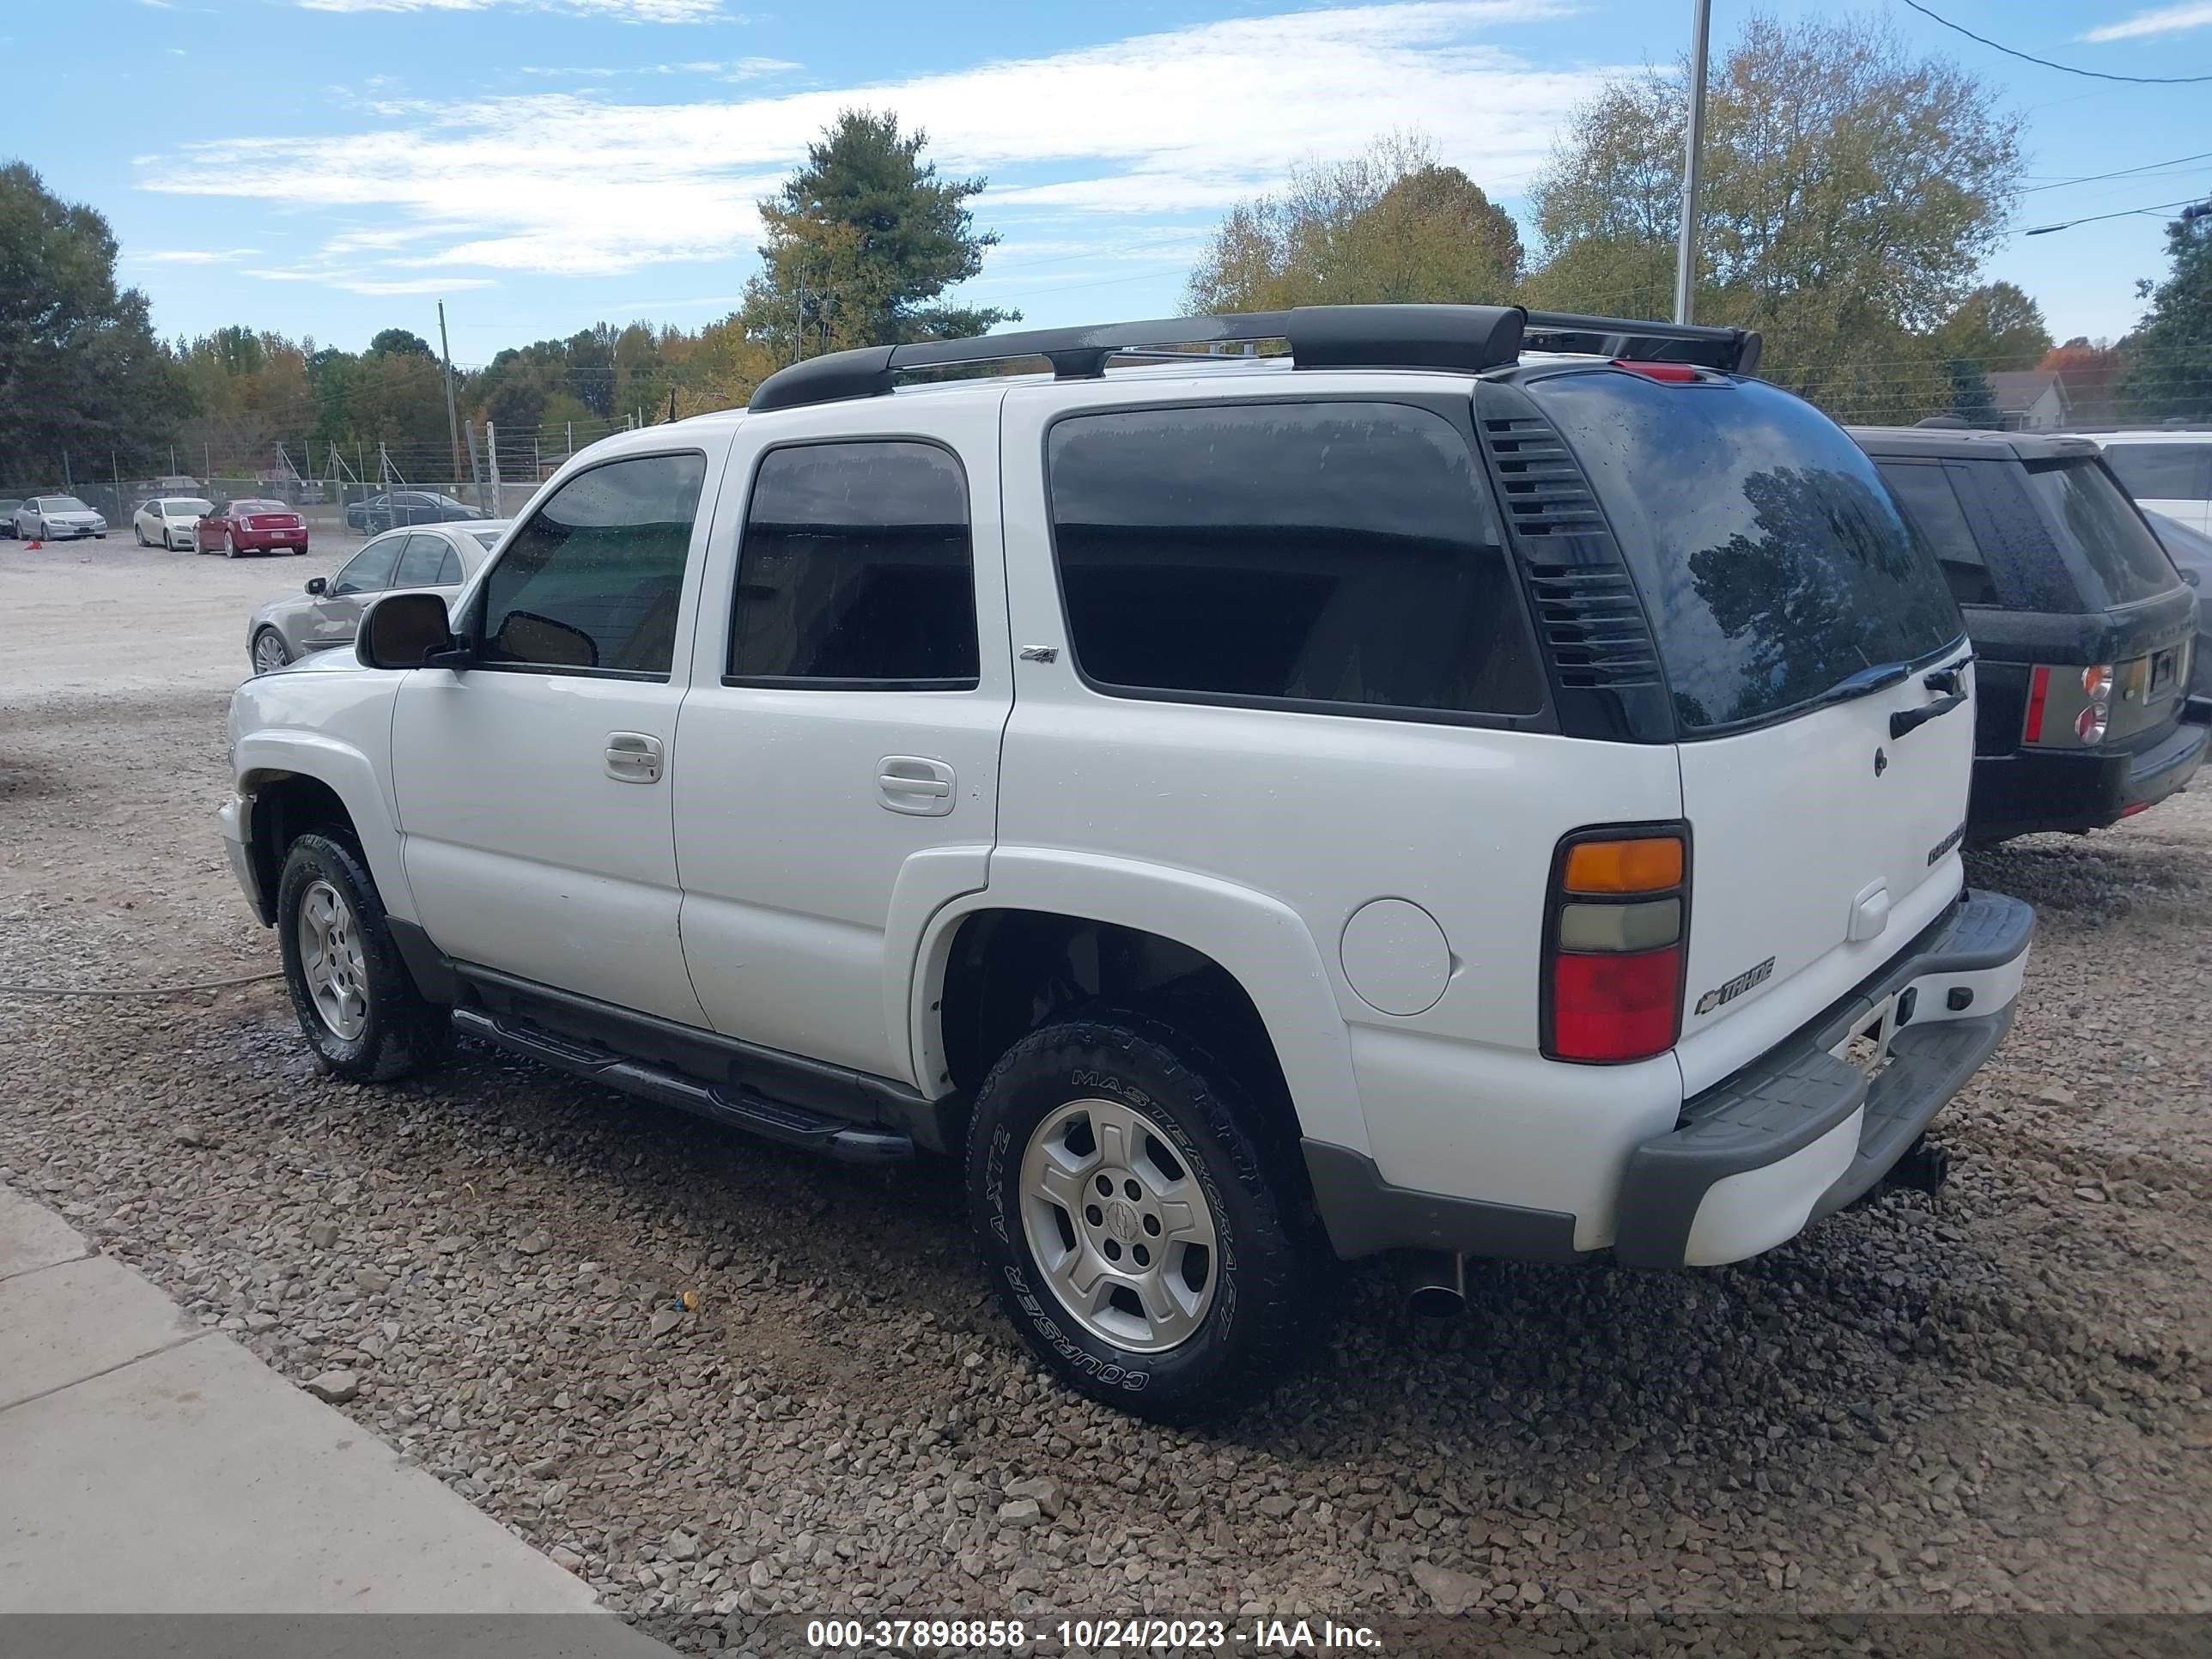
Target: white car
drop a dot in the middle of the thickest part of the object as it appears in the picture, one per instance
(168, 521)
(56, 519)
(1409, 794)
(2166, 470)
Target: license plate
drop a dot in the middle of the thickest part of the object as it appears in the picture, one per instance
(2161, 671)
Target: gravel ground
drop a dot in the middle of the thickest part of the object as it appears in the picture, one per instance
(722, 1381)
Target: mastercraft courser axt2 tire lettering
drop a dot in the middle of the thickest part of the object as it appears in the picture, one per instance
(1147, 1233)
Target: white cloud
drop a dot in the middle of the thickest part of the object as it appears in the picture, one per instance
(2165, 20)
(194, 256)
(357, 284)
(579, 182)
(736, 69)
(633, 11)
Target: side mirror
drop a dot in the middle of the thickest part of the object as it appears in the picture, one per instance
(319, 584)
(401, 630)
(2192, 578)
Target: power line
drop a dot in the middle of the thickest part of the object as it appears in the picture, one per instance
(2098, 218)
(2064, 68)
(2092, 178)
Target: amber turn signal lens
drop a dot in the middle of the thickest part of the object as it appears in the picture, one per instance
(1645, 865)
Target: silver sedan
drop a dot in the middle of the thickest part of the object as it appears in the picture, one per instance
(169, 521)
(440, 557)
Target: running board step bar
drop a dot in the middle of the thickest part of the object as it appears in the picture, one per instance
(745, 1109)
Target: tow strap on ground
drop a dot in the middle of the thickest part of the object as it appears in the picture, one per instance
(135, 990)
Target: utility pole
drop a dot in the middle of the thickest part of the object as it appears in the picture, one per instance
(453, 423)
(491, 454)
(1686, 256)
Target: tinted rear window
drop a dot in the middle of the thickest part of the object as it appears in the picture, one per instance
(2114, 557)
(1772, 560)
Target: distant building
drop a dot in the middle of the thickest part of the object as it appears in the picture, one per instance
(2031, 400)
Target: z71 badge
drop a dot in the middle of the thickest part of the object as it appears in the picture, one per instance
(1736, 986)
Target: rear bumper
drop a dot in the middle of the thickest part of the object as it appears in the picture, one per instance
(1799, 1133)
(2032, 790)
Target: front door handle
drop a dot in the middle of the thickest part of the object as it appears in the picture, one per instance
(633, 757)
(913, 785)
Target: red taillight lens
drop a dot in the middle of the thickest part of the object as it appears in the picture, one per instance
(1620, 1006)
(2038, 687)
(1617, 920)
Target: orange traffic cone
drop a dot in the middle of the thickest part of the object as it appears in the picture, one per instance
(33, 544)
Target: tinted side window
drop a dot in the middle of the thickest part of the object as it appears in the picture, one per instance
(2162, 472)
(592, 581)
(418, 565)
(856, 567)
(1932, 510)
(449, 570)
(1341, 553)
(368, 571)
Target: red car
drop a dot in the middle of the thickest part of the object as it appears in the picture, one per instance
(251, 526)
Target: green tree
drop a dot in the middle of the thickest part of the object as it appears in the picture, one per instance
(2169, 373)
(863, 240)
(1971, 400)
(81, 372)
(1997, 326)
(400, 340)
(1391, 223)
(1849, 194)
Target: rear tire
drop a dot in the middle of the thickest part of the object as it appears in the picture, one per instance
(1218, 1278)
(230, 547)
(350, 989)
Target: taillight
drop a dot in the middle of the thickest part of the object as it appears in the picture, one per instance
(2089, 725)
(1616, 930)
(2097, 681)
(2038, 689)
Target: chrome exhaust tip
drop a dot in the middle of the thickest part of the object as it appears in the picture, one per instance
(1436, 1283)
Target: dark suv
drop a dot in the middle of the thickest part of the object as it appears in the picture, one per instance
(2082, 628)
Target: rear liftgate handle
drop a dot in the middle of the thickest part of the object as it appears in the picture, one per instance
(1952, 679)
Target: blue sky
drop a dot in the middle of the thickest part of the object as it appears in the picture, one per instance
(330, 167)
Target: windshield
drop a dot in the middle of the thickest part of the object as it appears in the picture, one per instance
(188, 506)
(485, 537)
(65, 504)
(2113, 555)
(1770, 560)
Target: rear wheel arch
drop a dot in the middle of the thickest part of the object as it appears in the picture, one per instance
(1004, 972)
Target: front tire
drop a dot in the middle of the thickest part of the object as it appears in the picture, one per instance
(350, 989)
(1193, 1276)
(269, 652)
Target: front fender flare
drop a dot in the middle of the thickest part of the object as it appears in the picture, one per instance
(263, 757)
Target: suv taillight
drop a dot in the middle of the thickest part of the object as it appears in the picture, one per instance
(1616, 926)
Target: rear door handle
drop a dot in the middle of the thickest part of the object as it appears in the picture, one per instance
(633, 757)
(913, 785)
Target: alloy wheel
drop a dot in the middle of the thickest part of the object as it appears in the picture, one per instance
(1121, 1226)
(269, 652)
(331, 961)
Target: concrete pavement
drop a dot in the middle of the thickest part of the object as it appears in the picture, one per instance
(152, 1466)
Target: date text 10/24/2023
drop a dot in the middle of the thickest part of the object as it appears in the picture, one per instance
(1089, 1635)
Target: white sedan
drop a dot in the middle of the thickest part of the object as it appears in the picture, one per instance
(168, 521)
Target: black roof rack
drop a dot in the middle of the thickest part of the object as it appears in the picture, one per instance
(1468, 338)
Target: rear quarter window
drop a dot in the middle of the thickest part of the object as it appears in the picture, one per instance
(1772, 560)
(1340, 556)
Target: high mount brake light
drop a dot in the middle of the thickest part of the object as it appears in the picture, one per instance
(1615, 937)
(1671, 372)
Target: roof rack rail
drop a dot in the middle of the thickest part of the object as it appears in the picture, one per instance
(1732, 351)
(1468, 338)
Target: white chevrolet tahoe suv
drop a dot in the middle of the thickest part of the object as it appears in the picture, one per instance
(1400, 794)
